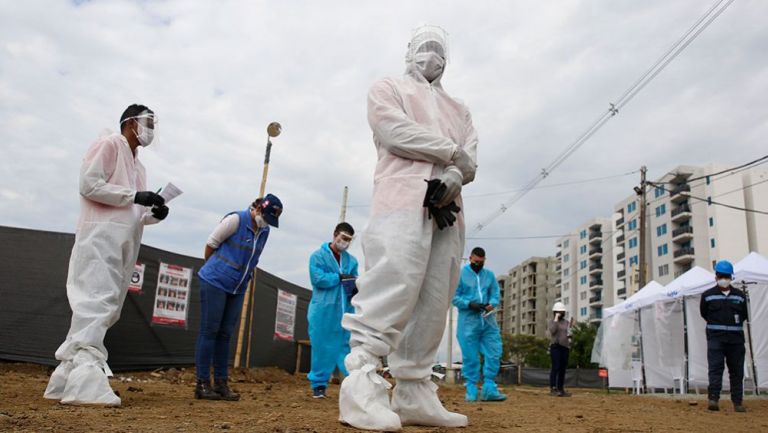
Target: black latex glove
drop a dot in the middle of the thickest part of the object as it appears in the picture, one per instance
(444, 216)
(160, 212)
(477, 307)
(148, 198)
(347, 277)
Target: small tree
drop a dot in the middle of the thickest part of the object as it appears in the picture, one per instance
(525, 350)
(582, 339)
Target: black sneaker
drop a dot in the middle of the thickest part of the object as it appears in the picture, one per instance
(563, 393)
(553, 392)
(713, 405)
(318, 392)
(738, 407)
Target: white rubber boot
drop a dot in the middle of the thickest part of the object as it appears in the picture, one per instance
(364, 396)
(416, 402)
(58, 381)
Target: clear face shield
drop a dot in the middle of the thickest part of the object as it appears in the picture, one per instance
(146, 128)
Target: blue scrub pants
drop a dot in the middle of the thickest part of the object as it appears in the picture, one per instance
(486, 340)
(219, 314)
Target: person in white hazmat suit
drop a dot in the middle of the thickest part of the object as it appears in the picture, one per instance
(412, 266)
(114, 207)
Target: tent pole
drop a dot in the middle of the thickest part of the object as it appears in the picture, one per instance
(642, 355)
(749, 339)
(684, 386)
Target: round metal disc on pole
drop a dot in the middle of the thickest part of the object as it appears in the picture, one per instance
(274, 129)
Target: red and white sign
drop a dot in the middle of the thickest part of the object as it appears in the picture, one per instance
(285, 316)
(137, 278)
(172, 295)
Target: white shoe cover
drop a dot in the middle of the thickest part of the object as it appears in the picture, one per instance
(416, 402)
(364, 401)
(58, 381)
(88, 383)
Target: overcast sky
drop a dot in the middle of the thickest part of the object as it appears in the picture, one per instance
(535, 74)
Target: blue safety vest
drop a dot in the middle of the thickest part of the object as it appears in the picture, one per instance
(230, 268)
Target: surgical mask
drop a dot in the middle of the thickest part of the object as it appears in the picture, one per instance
(724, 283)
(260, 221)
(477, 267)
(429, 65)
(144, 135)
(341, 245)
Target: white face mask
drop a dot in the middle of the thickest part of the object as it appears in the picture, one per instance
(144, 135)
(341, 245)
(724, 283)
(260, 221)
(429, 65)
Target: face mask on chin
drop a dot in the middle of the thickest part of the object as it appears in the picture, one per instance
(429, 65)
(260, 221)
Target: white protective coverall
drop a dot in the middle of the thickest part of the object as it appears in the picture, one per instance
(412, 268)
(106, 247)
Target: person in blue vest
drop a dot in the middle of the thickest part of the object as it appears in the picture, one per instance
(477, 297)
(231, 254)
(332, 271)
(724, 308)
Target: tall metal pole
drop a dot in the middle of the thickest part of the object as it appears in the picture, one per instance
(273, 130)
(344, 198)
(450, 374)
(643, 228)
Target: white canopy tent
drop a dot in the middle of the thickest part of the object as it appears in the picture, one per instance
(752, 276)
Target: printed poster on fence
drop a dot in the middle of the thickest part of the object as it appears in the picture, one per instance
(172, 296)
(137, 278)
(285, 317)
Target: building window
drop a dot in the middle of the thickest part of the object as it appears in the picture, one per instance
(631, 207)
(566, 257)
(709, 200)
(583, 311)
(583, 249)
(632, 260)
(566, 286)
(565, 244)
(711, 221)
(583, 234)
(583, 264)
(662, 250)
(659, 191)
(583, 280)
(583, 295)
(661, 210)
(566, 272)
(661, 230)
(712, 242)
(632, 225)
(663, 270)
(633, 242)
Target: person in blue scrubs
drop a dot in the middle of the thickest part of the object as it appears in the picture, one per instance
(332, 271)
(231, 254)
(477, 297)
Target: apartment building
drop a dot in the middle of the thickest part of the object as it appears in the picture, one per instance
(529, 291)
(684, 228)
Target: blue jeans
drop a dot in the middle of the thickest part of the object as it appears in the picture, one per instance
(559, 356)
(219, 313)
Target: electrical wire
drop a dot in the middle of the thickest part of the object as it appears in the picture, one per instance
(689, 36)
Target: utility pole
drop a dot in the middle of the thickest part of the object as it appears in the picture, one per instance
(643, 246)
(344, 197)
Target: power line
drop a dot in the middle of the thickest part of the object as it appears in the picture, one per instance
(732, 170)
(521, 237)
(710, 201)
(613, 109)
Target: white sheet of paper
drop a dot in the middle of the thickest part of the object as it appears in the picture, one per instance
(170, 192)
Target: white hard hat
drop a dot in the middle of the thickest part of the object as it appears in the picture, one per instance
(559, 306)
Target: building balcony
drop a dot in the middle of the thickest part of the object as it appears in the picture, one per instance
(596, 269)
(620, 239)
(684, 255)
(595, 237)
(595, 252)
(619, 222)
(593, 284)
(595, 300)
(621, 274)
(681, 213)
(621, 292)
(682, 234)
(680, 193)
(620, 256)
(558, 254)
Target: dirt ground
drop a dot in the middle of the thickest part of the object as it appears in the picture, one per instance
(274, 401)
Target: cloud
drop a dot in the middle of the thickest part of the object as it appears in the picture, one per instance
(535, 74)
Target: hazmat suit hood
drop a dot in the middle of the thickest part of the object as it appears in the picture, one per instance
(427, 48)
